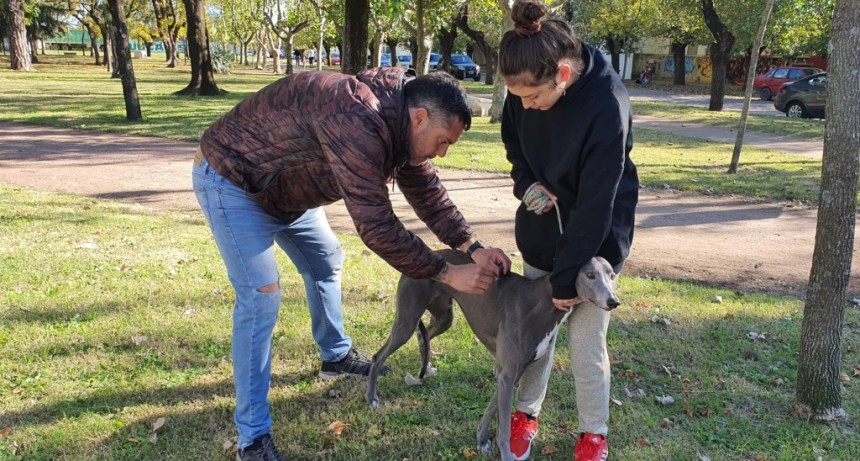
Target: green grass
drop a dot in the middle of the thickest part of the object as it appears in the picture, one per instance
(784, 126)
(667, 160)
(71, 92)
(113, 316)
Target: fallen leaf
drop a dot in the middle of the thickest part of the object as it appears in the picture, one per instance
(227, 445)
(468, 453)
(717, 299)
(642, 442)
(138, 340)
(616, 401)
(843, 377)
(687, 408)
(667, 423)
(337, 427)
(856, 371)
(548, 450)
(5, 431)
(626, 374)
(132, 440)
(688, 391)
(153, 437)
(760, 457)
(123, 267)
(159, 423)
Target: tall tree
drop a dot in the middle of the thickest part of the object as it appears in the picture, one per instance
(818, 385)
(682, 23)
(721, 51)
(123, 61)
(17, 31)
(353, 56)
(80, 12)
(285, 21)
(742, 126)
(481, 21)
(169, 20)
(202, 76)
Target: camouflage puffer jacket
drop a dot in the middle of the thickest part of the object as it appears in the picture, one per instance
(313, 138)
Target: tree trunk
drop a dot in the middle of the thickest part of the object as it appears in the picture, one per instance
(679, 53)
(117, 70)
(612, 46)
(742, 126)
(123, 61)
(353, 57)
(500, 91)
(447, 38)
(490, 51)
(197, 49)
(94, 45)
(17, 33)
(818, 386)
(721, 51)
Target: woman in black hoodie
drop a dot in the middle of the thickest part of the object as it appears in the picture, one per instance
(567, 129)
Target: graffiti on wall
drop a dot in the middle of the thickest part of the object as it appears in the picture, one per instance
(669, 65)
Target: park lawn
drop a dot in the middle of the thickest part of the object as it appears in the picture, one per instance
(114, 316)
(70, 92)
(669, 161)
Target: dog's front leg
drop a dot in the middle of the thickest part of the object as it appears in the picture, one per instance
(505, 380)
(484, 444)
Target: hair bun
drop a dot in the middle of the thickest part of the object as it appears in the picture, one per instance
(527, 16)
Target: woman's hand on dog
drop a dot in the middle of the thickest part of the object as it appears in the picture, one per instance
(564, 305)
(492, 259)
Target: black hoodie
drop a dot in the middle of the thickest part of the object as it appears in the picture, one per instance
(579, 149)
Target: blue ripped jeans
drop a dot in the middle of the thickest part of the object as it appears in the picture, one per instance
(245, 235)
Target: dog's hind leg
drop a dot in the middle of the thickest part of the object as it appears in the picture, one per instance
(442, 312)
(411, 303)
(484, 444)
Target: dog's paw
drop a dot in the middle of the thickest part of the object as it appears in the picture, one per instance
(485, 446)
(373, 402)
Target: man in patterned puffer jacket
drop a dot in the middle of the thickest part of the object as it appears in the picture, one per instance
(262, 175)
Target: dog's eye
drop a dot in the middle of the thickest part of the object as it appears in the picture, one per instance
(612, 276)
(590, 275)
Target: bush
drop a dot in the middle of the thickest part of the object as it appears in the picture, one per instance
(222, 58)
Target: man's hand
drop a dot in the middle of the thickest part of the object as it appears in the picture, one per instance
(492, 259)
(468, 278)
(564, 305)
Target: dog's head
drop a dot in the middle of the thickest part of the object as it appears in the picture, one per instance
(596, 283)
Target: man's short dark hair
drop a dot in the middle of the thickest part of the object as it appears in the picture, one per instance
(439, 93)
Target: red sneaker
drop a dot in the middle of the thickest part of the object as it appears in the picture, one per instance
(591, 447)
(523, 430)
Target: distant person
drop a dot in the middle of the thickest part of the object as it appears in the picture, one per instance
(297, 55)
(566, 126)
(311, 55)
(265, 170)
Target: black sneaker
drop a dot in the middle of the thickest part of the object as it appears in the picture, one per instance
(353, 364)
(262, 449)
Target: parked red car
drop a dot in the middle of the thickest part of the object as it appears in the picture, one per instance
(767, 84)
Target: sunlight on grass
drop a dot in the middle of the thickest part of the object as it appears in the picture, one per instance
(112, 316)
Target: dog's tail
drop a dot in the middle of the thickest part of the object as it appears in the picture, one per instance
(424, 348)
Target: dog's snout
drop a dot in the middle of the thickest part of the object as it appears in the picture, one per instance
(612, 303)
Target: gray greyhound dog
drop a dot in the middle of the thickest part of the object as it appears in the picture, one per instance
(515, 320)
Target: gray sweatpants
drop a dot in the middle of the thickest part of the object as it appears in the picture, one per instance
(589, 362)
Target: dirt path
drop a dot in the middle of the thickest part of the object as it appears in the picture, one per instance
(725, 241)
